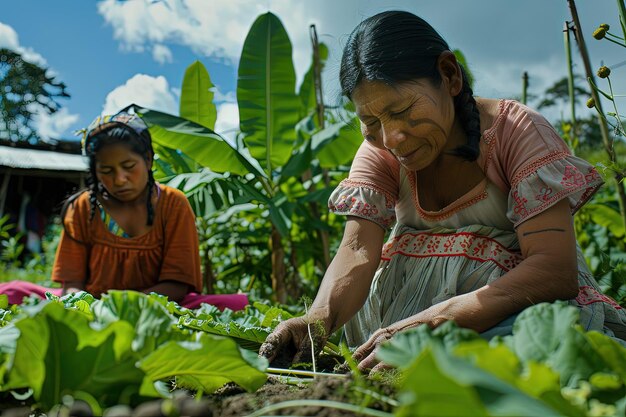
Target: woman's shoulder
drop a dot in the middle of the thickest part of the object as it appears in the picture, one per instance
(172, 197)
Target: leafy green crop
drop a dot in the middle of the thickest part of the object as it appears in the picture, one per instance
(119, 350)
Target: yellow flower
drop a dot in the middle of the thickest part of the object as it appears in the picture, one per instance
(599, 33)
(604, 71)
(591, 103)
(605, 26)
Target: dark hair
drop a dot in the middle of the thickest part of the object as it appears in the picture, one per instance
(398, 46)
(110, 134)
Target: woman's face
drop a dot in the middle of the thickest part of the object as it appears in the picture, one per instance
(122, 172)
(413, 119)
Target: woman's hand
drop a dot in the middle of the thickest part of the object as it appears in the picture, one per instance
(290, 341)
(365, 355)
(434, 316)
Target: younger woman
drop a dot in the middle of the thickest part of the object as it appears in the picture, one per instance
(127, 231)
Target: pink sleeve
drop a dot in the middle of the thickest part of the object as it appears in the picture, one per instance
(371, 189)
(377, 168)
(537, 167)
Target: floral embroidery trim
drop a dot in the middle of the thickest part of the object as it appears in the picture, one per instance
(350, 202)
(573, 181)
(468, 245)
(390, 200)
(589, 295)
(535, 165)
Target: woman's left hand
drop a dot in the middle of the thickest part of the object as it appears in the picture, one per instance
(365, 355)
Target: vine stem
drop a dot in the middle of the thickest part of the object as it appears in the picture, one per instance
(319, 403)
(308, 327)
(281, 371)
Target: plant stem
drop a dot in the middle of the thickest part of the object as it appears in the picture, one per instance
(320, 403)
(615, 42)
(570, 87)
(606, 140)
(308, 328)
(282, 371)
(617, 116)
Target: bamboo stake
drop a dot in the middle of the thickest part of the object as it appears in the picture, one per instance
(606, 140)
(573, 137)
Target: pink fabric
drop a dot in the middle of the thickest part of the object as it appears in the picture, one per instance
(17, 290)
(232, 301)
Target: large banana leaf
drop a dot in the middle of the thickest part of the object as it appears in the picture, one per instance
(200, 143)
(196, 97)
(336, 145)
(268, 105)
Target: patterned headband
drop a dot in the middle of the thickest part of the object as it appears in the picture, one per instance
(122, 117)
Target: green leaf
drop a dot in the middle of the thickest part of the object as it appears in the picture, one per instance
(299, 162)
(608, 217)
(207, 364)
(439, 384)
(268, 105)
(153, 324)
(405, 346)
(548, 333)
(248, 337)
(196, 96)
(198, 142)
(613, 353)
(336, 144)
(59, 353)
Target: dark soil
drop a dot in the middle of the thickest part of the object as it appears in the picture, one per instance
(323, 388)
(232, 401)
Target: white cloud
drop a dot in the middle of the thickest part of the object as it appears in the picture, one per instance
(213, 31)
(162, 54)
(10, 40)
(52, 126)
(217, 32)
(143, 90)
(227, 123)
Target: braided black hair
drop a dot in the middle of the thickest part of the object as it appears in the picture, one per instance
(113, 133)
(398, 46)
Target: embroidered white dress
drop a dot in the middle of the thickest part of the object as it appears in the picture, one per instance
(432, 256)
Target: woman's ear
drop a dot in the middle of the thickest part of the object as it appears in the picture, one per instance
(450, 72)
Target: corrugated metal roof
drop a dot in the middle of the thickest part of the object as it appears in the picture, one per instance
(38, 159)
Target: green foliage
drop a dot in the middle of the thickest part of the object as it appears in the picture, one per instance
(273, 181)
(548, 366)
(120, 349)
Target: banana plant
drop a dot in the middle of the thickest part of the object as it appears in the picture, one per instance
(272, 150)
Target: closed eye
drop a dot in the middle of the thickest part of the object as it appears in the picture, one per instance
(401, 112)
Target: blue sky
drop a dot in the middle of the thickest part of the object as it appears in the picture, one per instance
(111, 53)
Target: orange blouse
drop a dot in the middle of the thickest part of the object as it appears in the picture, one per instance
(104, 261)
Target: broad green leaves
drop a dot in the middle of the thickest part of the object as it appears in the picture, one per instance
(268, 105)
(196, 97)
(549, 366)
(117, 350)
(199, 142)
(207, 364)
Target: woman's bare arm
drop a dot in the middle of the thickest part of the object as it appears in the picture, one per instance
(174, 290)
(347, 281)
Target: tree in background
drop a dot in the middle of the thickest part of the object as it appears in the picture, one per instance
(25, 90)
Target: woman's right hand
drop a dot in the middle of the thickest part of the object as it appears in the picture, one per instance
(290, 342)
